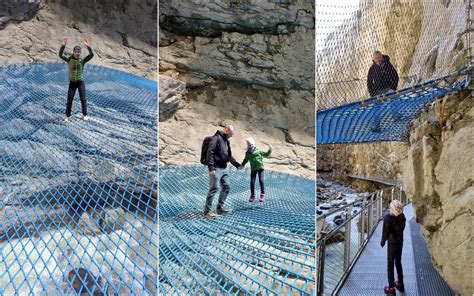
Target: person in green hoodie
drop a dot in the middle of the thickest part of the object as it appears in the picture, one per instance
(76, 76)
(255, 156)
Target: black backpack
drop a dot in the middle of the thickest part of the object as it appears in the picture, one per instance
(204, 148)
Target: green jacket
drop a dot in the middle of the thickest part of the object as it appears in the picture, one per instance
(256, 158)
(76, 66)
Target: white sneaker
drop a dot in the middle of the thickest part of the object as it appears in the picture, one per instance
(85, 117)
(66, 119)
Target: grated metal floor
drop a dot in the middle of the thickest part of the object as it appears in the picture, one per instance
(369, 275)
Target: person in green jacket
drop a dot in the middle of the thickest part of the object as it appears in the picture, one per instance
(255, 156)
(76, 76)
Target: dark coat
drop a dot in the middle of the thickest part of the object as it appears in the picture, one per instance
(393, 227)
(382, 77)
(219, 152)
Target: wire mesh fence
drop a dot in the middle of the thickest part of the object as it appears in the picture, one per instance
(400, 55)
(367, 48)
(259, 248)
(339, 247)
(78, 198)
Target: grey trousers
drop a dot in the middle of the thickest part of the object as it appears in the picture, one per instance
(222, 175)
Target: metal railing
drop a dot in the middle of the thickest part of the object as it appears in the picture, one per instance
(339, 248)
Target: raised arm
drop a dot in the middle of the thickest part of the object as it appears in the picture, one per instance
(61, 51)
(269, 151)
(91, 54)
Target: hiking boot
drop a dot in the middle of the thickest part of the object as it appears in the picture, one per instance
(222, 210)
(210, 214)
(400, 286)
(262, 197)
(389, 291)
(252, 197)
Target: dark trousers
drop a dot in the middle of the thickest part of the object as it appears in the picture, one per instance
(261, 180)
(394, 257)
(73, 85)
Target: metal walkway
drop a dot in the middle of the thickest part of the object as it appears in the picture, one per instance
(376, 180)
(369, 274)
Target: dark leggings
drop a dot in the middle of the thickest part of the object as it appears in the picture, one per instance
(261, 180)
(73, 85)
(394, 255)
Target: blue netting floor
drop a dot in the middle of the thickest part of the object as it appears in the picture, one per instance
(78, 199)
(380, 118)
(264, 248)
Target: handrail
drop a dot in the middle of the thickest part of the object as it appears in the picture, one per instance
(372, 210)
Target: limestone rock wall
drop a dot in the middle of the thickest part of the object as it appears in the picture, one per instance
(439, 179)
(250, 63)
(121, 33)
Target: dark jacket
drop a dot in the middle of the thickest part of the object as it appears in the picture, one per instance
(382, 77)
(219, 153)
(393, 227)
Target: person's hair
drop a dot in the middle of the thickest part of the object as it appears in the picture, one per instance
(396, 207)
(377, 52)
(250, 141)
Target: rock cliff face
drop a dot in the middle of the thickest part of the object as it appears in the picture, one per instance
(121, 33)
(424, 39)
(439, 176)
(249, 63)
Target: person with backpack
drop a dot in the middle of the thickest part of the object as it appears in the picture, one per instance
(255, 156)
(216, 153)
(76, 76)
(393, 226)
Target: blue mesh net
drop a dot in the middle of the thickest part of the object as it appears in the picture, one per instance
(78, 198)
(383, 118)
(266, 248)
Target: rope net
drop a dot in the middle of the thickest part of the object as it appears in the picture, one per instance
(417, 42)
(78, 198)
(266, 248)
